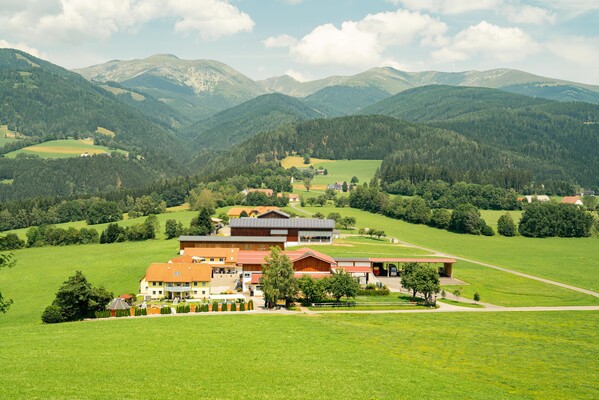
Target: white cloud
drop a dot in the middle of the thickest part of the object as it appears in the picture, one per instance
(280, 41)
(488, 41)
(582, 51)
(449, 6)
(77, 20)
(362, 42)
(23, 47)
(529, 15)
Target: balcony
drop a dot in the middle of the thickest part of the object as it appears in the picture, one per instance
(178, 289)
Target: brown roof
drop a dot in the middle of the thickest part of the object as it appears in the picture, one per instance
(267, 192)
(179, 272)
(570, 199)
(230, 255)
(125, 296)
(236, 211)
(258, 257)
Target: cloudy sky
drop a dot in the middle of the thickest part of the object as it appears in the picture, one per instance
(310, 39)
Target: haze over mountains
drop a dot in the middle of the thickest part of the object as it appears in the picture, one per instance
(199, 88)
(183, 118)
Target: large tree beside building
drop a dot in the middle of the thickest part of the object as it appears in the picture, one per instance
(278, 282)
(76, 299)
(343, 284)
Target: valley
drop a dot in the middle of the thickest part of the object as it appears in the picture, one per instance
(399, 166)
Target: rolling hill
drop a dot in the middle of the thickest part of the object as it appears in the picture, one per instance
(232, 126)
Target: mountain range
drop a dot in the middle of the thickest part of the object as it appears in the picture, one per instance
(206, 118)
(200, 88)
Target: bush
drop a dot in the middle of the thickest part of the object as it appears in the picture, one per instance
(183, 309)
(476, 296)
(165, 310)
(233, 307)
(122, 313)
(141, 311)
(52, 315)
(506, 226)
(242, 307)
(214, 306)
(224, 307)
(251, 305)
(370, 292)
(103, 314)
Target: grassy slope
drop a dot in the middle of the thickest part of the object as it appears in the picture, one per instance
(61, 149)
(462, 355)
(569, 260)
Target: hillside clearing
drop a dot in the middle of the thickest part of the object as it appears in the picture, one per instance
(63, 148)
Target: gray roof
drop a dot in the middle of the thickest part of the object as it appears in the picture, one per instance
(301, 223)
(284, 214)
(118, 304)
(249, 239)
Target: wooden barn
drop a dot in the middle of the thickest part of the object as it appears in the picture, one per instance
(256, 242)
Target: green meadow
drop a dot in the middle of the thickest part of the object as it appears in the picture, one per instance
(574, 261)
(535, 355)
(62, 149)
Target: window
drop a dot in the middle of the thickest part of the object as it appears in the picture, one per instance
(211, 258)
(159, 283)
(177, 273)
(153, 292)
(203, 283)
(153, 283)
(203, 292)
(195, 292)
(160, 292)
(195, 284)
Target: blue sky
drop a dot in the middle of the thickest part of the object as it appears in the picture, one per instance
(310, 39)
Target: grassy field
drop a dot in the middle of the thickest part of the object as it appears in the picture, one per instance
(393, 356)
(338, 171)
(569, 260)
(180, 214)
(62, 149)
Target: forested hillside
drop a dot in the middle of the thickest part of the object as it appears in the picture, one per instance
(232, 126)
(336, 101)
(47, 101)
(441, 102)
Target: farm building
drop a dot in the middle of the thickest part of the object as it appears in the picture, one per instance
(296, 231)
(239, 242)
(391, 266)
(572, 200)
(235, 212)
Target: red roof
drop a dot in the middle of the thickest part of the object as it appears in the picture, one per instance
(416, 260)
(126, 296)
(256, 277)
(570, 199)
(258, 257)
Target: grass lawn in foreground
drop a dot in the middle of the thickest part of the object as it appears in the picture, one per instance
(569, 260)
(385, 356)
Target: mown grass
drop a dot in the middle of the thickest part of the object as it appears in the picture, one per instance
(569, 260)
(62, 149)
(459, 303)
(325, 356)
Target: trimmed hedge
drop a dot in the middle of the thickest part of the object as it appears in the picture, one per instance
(242, 307)
(251, 305)
(122, 313)
(379, 292)
(141, 311)
(215, 306)
(183, 309)
(233, 307)
(165, 310)
(224, 307)
(102, 314)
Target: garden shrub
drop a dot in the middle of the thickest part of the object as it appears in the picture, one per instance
(215, 306)
(233, 307)
(242, 307)
(122, 313)
(165, 310)
(53, 314)
(251, 305)
(224, 307)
